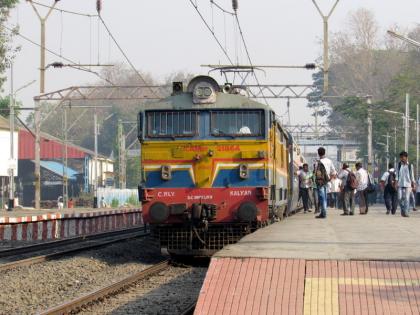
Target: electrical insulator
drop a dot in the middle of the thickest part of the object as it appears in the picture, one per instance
(235, 5)
(98, 6)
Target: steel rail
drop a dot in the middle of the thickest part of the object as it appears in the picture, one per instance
(43, 258)
(68, 241)
(189, 310)
(103, 292)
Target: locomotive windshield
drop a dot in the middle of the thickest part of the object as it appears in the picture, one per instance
(237, 123)
(172, 124)
(204, 124)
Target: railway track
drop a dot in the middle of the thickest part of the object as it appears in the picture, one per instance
(88, 242)
(102, 293)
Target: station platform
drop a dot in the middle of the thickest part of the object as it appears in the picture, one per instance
(50, 224)
(362, 264)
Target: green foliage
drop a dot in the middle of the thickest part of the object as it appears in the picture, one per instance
(115, 203)
(6, 51)
(4, 106)
(133, 200)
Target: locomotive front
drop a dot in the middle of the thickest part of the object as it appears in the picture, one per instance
(204, 173)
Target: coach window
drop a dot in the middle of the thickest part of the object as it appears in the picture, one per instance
(248, 123)
(171, 124)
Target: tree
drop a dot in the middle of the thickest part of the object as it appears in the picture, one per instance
(4, 106)
(6, 51)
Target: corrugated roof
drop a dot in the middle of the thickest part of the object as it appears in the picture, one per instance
(51, 148)
(57, 168)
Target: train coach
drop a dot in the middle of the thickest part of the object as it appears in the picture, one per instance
(215, 166)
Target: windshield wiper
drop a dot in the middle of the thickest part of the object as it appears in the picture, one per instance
(222, 133)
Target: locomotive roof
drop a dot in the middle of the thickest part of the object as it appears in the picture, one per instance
(184, 101)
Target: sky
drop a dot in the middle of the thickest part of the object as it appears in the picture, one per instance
(162, 37)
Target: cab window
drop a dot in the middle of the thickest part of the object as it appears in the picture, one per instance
(237, 123)
(161, 124)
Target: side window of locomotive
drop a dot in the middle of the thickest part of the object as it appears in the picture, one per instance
(249, 123)
(172, 124)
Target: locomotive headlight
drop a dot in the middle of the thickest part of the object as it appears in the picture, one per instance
(207, 91)
(243, 171)
(198, 92)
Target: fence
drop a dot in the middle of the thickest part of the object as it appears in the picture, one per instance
(118, 197)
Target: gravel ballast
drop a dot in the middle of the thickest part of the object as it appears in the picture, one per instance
(168, 292)
(29, 290)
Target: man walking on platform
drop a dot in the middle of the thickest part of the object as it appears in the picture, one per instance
(324, 169)
(362, 180)
(389, 184)
(305, 180)
(406, 183)
(348, 180)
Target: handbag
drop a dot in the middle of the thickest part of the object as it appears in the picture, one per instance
(371, 186)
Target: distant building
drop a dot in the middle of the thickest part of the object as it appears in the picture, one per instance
(80, 168)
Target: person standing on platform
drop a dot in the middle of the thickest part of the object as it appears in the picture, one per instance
(314, 196)
(418, 192)
(60, 203)
(389, 184)
(305, 181)
(348, 185)
(324, 169)
(362, 180)
(335, 190)
(406, 183)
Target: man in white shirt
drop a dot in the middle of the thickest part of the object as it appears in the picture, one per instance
(406, 182)
(305, 184)
(324, 169)
(334, 190)
(363, 180)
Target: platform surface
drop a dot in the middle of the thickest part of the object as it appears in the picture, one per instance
(375, 236)
(362, 264)
(311, 287)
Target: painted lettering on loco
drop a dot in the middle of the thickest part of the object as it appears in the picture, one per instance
(228, 148)
(240, 193)
(202, 197)
(166, 194)
(196, 148)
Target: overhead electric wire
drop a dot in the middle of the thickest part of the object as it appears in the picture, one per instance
(221, 8)
(125, 55)
(64, 11)
(249, 58)
(211, 31)
(57, 54)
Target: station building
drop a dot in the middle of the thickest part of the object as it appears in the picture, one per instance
(80, 167)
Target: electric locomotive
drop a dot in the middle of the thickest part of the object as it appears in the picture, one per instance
(215, 166)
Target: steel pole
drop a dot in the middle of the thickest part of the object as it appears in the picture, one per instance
(387, 150)
(11, 204)
(326, 57)
(369, 123)
(64, 159)
(407, 120)
(395, 146)
(95, 164)
(37, 122)
(417, 141)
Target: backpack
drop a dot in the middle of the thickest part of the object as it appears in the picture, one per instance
(351, 182)
(321, 176)
(392, 182)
